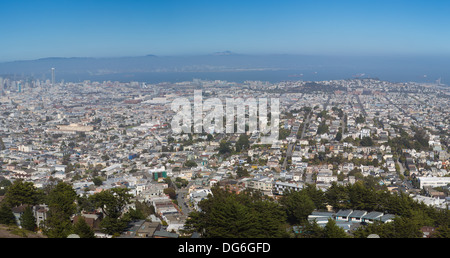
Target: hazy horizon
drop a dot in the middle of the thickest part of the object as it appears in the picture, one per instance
(38, 29)
(233, 67)
(397, 40)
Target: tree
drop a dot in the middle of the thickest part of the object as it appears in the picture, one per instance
(337, 196)
(442, 218)
(316, 195)
(181, 182)
(190, 164)
(323, 128)
(6, 215)
(61, 203)
(21, 193)
(242, 172)
(361, 198)
(270, 220)
(171, 193)
(298, 205)
(338, 136)
(136, 214)
(323, 114)
(112, 203)
(360, 119)
(85, 204)
(443, 231)
(283, 133)
(224, 147)
(97, 181)
(226, 214)
(402, 227)
(66, 158)
(27, 220)
(242, 143)
(4, 185)
(377, 227)
(332, 230)
(312, 230)
(114, 226)
(366, 141)
(82, 229)
(2, 145)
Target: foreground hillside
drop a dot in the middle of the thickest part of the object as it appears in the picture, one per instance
(15, 232)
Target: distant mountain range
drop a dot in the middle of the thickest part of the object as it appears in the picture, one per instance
(124, 68)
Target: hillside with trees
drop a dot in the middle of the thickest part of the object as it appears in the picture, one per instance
(226, 214)
(63, 205)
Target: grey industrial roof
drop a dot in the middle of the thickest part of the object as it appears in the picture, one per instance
(344, 213)
(373, 215)
(322, 214)
(357, 214)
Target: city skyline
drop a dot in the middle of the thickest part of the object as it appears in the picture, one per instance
(33, 30)
(224, 120)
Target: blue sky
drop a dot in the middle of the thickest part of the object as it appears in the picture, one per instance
(99, 28)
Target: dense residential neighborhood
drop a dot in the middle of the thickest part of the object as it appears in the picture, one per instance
(94, 138)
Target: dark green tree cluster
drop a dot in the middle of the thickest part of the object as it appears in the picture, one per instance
(419, 141)
(4, 185)
(338, 111)
(17, 194)
(6, 215)
(82, 229)
(63, 203)
(283, 133)
(226, 214)
(409, 227)
(242, 172)
(299, 204)
(360, 119)
(112, 203)
(224, 147)
(248, 214)
(190, 164)
(2, 144)
(242, 143)
(330, 230)
(142, 211)
(410, 214)
(22, 193)
(171, 192)
(366, 141)
(97, 181)
(181, 182)
(323, 114)
(338, 135)
(323, 128)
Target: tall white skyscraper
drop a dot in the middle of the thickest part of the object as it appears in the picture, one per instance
(53, 77)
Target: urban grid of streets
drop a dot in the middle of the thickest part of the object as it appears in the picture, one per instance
(120, 132)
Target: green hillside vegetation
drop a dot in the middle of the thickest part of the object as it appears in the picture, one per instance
(63, 203)
(226, 214)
